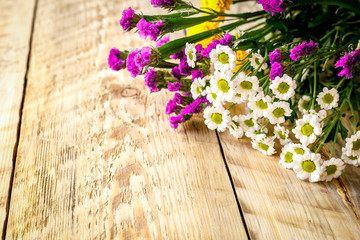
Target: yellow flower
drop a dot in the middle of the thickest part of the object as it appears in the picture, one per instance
(217, 5)
(202, 28)
(239, 56)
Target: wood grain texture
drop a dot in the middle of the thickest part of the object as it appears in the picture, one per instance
(276, 205)
(97, 158)
(15, 29)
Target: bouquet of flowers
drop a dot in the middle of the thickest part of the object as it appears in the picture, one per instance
(293, 66)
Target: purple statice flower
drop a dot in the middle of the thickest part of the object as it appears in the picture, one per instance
(273, 6)
(184, 68)
(303, 49)
(143, 58)
(196, 74)
(150, 80)
(175, 72)
(277, 70)
(227, 40)
(148, 29)
(275, 56)
(162, 41)
(162, 3)
(175, 120)
(178, 98)
(138, 59)
(171, 107)
(125, 21)
(114, 61)
(210, 46)
(180, 55)
(130, 63)
(173, 87)
(347, 63)
(195, 106)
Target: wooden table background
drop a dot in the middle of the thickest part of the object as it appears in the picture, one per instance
(86, 153)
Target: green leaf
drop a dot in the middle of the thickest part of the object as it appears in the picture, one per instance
(277, 23)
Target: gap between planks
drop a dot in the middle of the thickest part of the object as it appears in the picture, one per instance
(232, 185)
(20, 119)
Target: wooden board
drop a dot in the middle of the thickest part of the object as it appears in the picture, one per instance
(15, 28)
(276, 205)
(97, 158)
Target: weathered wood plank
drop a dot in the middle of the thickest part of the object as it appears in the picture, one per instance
(96, 157)
(15, 30)
(276, 205)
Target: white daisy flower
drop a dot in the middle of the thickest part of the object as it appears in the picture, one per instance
(190, 52)
(305, 104)
(289, 152)
(307, 129)
(217, 117)
(264, 144)
(332, 169)
(198, 87)
(328, 99)
(246, 86)
(223, 58)
(283, 87)
(220, 84)
(277, 111)
(308, 166)
(235, 129)
(213, 97)
(350, 159)
(259, 104)
(352, 145)
(321, 114)
(282, 134)
(256, 59)
(248, 123)
(253, 133)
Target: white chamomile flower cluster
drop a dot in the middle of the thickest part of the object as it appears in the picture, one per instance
(272, 103)
(190, 52)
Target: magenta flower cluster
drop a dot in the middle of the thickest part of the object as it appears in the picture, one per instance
(147, 29)
(303, 49)
(125, 21)
(138, 59)
(114, 61)
(277, 69)
(150, 80)
(226, 41)
(272, 6)
(347, 63)
(162, 41)
(162, 3)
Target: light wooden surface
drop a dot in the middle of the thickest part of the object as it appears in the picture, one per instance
(98, 160)
(15, 29)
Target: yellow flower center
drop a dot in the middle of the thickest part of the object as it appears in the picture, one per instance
(263, 146)
(278, 112)
(328, 98)
(306, 105)
(288, 157)
(223, 85)
(246, 85)
(331, 169)
(283, 87)
(307, 129)
(191, 56)
(356, 145)
(261, 104)
(223, 58)
(216, 118)
(299, 151)
(308, 166)
(281, 135)
(249, 122)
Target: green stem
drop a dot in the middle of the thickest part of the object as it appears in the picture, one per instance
(263, 61)
(314, 89)
(342, 3)
(231, 106)
(341, 82)
(334, 141)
